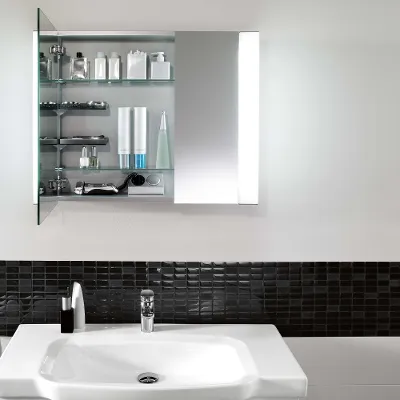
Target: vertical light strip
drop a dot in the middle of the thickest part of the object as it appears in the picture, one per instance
(249, 124)
(35, 120)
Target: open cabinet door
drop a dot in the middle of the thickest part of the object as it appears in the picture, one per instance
(45, 122)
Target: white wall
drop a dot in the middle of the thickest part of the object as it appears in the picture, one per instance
(329, 138)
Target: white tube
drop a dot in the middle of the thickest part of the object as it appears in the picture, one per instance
(140, 134)
(124, 136)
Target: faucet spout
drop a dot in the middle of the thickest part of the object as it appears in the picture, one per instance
(147, 310)
(78, 305)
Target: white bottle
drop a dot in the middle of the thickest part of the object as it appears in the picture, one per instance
(100, 66)
(163, 161)
(140, 136)
(160, 69)
(136, 65)
(124, 136)
(114, 66)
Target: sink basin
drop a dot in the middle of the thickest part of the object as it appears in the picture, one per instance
(232, 362)
(178, 360)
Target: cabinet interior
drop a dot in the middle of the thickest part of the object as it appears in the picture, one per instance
(63, 161)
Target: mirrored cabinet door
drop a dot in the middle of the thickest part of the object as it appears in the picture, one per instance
(217, 119)
(47, 123)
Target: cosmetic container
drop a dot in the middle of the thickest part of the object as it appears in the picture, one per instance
(136, 65)
(100, 66)
(163, 161)
(114, 66)
(140, 136)
(46, 67)
(84, 160)
(67, 314)
(124, 136)
(94, 159)
(79, 67)
(160, 69)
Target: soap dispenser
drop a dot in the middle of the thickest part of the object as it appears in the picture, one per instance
(160, 69)
(79, 67)
(67, 314)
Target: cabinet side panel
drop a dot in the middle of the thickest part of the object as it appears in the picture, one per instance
(206, 112)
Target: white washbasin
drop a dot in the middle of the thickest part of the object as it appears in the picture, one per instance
(232, 362)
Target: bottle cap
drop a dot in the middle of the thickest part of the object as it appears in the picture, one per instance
(79, 54)
(84, 151)
(101, 54)
(163, 124)
(94, 151)
(114, 54)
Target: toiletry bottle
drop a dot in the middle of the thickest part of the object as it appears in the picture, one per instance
(100, 66)
(163, 161)
(160, 69)
(136, 65)
(114, 66)
(79, 67)
(94, 159)
(84, 160)
(140, 136)
(45, 67)
(124, 137)
(67, 314)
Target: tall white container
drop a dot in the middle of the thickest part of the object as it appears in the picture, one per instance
(163, 161)
(140, 135)
(114, 66)
(100, 66)
(124, 136)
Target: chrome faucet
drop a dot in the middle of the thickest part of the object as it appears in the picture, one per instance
(147, 310)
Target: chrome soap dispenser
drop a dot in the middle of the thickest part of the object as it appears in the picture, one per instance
(79, 67)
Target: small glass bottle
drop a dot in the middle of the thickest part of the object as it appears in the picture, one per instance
(79, 67)
(94, 159)
(45, 67)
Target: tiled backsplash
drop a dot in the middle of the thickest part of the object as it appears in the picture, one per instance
(301, 299)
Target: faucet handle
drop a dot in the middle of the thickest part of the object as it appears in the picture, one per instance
(147, 295)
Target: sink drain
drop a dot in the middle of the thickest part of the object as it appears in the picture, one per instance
(148, 377)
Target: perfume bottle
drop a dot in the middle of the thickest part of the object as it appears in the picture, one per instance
(45, 67)
(79, 67)
(94, 159)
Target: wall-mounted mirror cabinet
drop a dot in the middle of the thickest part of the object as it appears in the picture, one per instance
(145, 116)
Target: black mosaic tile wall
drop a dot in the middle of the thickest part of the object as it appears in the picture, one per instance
(301, 299)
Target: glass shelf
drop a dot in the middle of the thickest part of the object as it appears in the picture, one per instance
(109, 168)
(119, 197)
(150, 82)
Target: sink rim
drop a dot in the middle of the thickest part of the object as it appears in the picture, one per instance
(279, 374)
